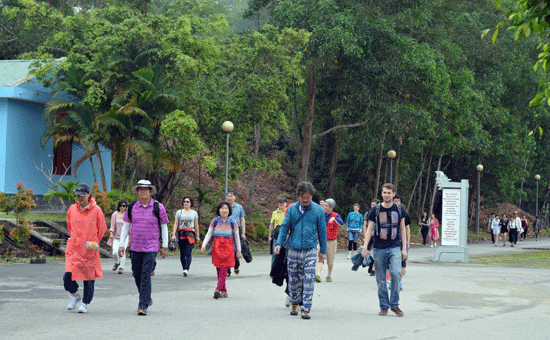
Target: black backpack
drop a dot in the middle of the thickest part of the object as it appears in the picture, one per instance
(156, 212)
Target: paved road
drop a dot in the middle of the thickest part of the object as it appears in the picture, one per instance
(440, 301)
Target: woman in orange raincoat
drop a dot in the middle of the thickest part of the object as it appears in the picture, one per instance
(86, 224)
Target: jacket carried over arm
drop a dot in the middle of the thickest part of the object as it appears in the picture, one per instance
(310, 228)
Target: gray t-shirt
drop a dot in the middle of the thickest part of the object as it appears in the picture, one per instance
(187, 221)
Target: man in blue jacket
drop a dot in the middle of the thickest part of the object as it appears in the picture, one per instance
(305, 221)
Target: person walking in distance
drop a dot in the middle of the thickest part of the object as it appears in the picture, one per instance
(536, 227)
(86, 225)
(504, 222)
(490, 225)
(305, 222)
(495, 226)
(116, 228)
(186, 231)
(515, 225)
(333, 222)
(238, 216)
(354, 223)
(387, 222)
(424, 227)
(147, 220)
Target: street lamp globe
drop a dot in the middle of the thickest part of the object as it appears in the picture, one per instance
(227, 126)
(479, 167)
(537, 177)
(391, 154)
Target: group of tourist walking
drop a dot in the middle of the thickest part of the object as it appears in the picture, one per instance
(141, 224)
(305, 230)
(513, 229)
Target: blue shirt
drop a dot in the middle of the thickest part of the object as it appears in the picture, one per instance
(354, 221)
(236, 213)
(311, 228)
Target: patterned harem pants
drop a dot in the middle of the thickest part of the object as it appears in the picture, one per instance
(301, 276)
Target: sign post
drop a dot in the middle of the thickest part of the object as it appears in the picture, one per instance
(454, 222)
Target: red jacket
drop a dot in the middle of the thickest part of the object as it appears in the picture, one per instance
(332, 227)
(84, 226)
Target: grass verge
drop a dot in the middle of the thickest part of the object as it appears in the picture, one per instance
(533, 259)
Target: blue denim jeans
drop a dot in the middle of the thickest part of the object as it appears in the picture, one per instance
(353, 235)
(383, 259)
(143, 264)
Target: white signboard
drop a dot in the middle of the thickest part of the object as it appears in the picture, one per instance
(450, 222)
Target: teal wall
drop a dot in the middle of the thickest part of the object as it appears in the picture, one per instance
(21, 129)
(3, 134)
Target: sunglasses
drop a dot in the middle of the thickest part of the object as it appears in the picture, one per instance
(186, 201)
(123, 205)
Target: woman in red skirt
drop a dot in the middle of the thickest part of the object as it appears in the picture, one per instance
(226, 237)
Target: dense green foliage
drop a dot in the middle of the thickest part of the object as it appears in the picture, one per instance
(322, 88)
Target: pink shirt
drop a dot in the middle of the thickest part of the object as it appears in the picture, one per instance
(116, 224)
(145, 227)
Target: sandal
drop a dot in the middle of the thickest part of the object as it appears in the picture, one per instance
(116, 266)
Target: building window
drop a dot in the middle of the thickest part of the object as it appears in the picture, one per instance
(62, 158)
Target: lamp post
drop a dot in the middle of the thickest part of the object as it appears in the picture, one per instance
(479, 169)
(227, 127)
(537, 178)
(391, 156)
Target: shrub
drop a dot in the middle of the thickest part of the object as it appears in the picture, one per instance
(102, 199)
(22, 201)
(262, 230)
(63, 190)
(1, 234)
(22, 231)
(251, 231)
(5, 204)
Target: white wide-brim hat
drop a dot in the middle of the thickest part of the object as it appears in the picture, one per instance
(144, 184)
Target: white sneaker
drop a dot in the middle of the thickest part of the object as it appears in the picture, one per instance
(83, 308)
(287, 301)
(349, 257)
(74, 301)
(185, 273)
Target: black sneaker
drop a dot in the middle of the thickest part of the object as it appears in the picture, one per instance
(294, 310)
(305, 316)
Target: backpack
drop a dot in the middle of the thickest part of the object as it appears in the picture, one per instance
(156, 211)
(377, 213)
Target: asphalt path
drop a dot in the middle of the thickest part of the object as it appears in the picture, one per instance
(440, 301)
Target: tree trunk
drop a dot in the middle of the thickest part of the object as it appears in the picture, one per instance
(113, 171)
(417, 178)
(131, 180)
(427, 183)
(101, 169)
(379, 167)
(93, 169)
(434, 192)
(523, 179)
(257, 137)
(123, 169)
(397, 163)
(308, 124)
(334, 160)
